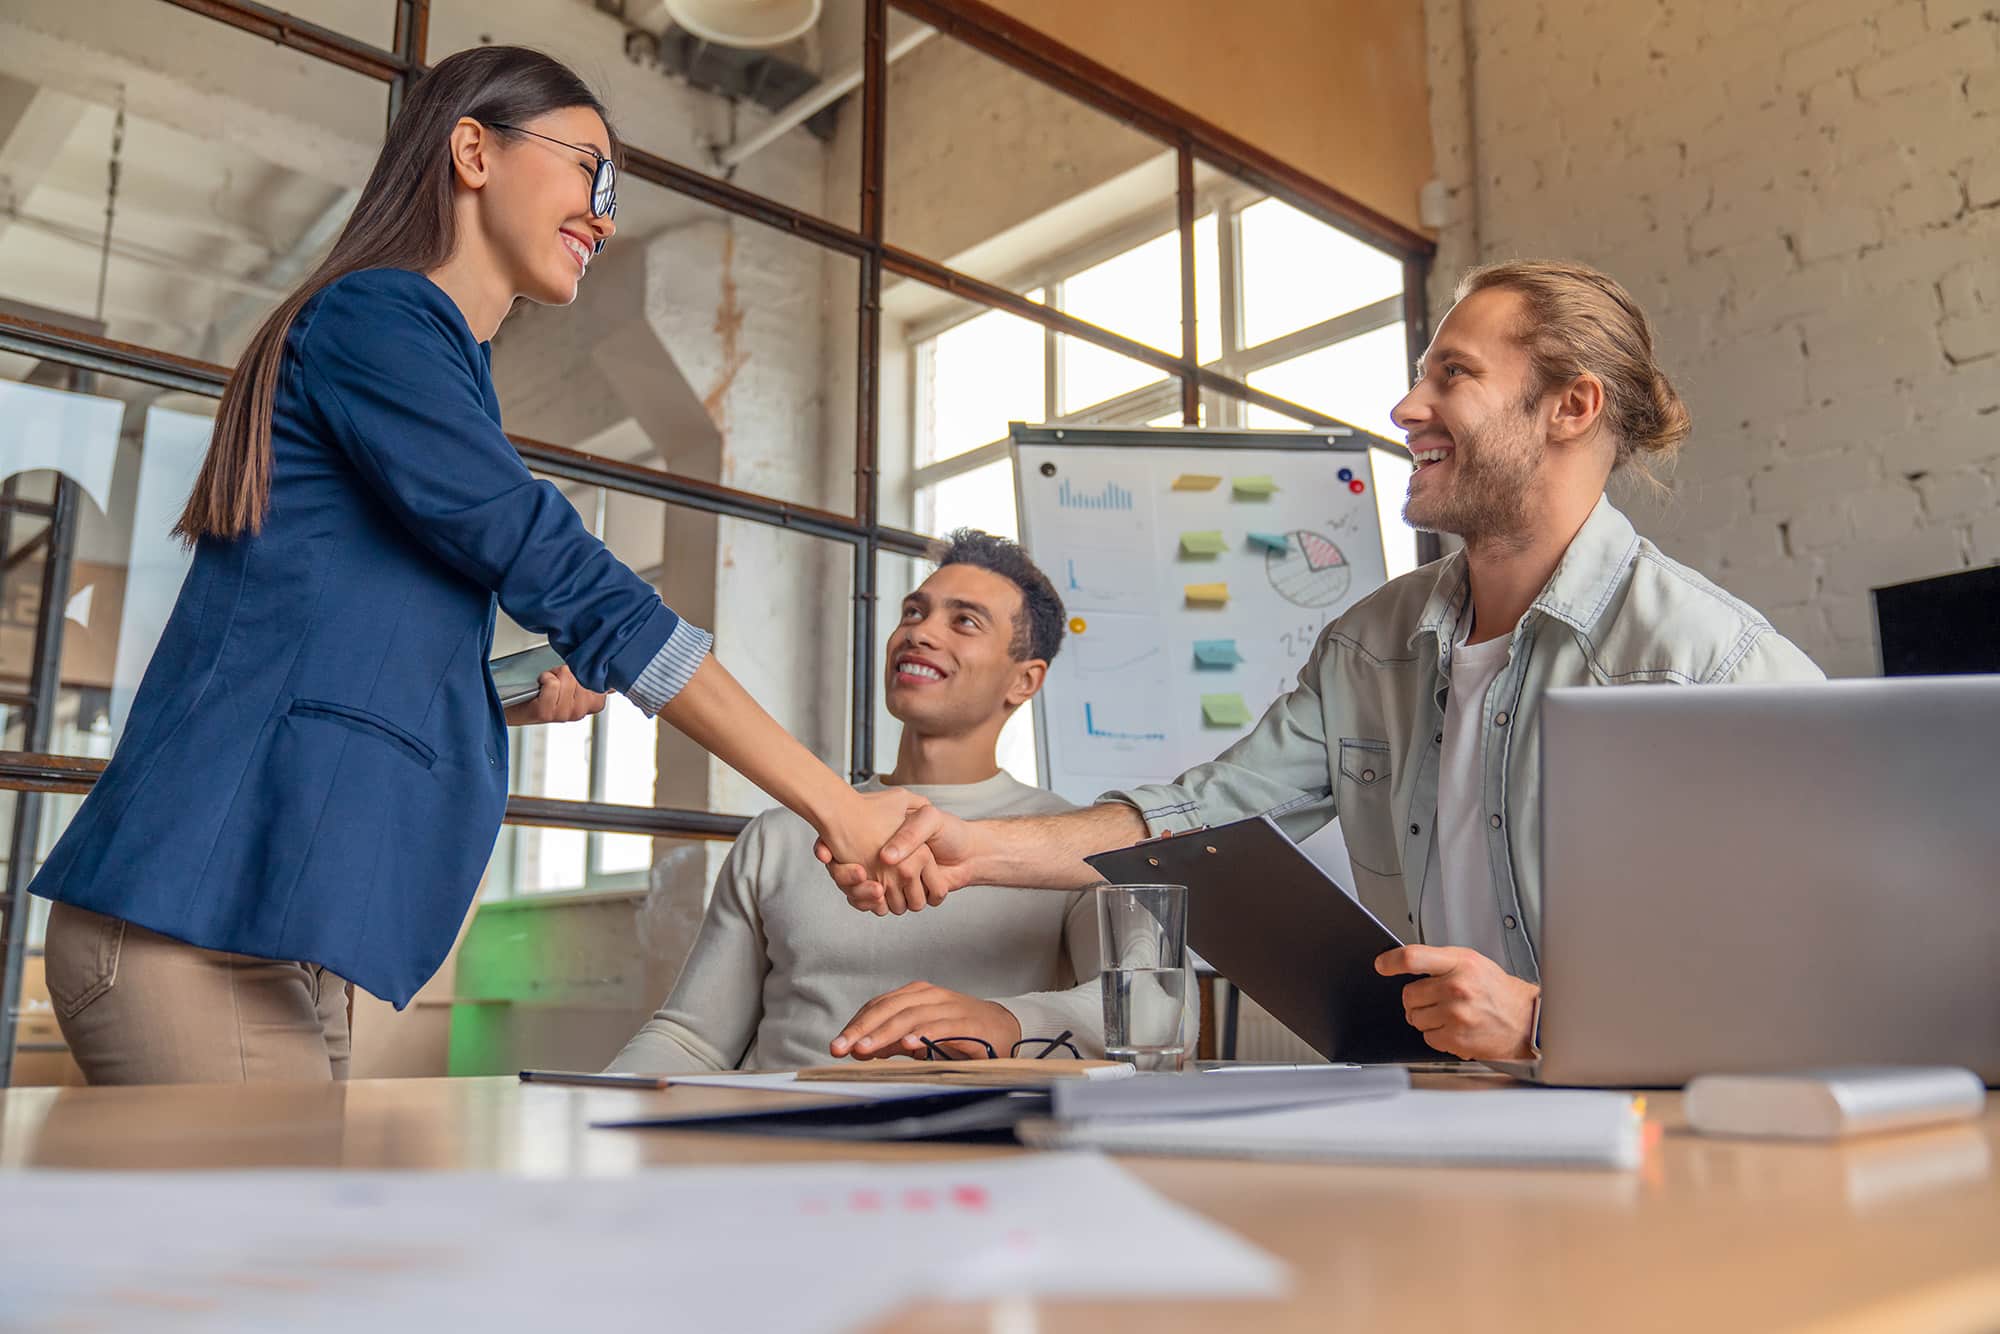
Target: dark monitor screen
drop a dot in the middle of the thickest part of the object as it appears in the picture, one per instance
(1947, 626)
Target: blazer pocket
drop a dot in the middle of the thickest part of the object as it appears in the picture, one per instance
(1367, 819)
(368, 724)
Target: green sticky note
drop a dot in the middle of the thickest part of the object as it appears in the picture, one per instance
(1203, 544)
(1261, 485)
(1277, 542)
(1216, 653)
(1225, 710)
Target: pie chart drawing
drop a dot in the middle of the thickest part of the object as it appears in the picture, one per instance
(1312, 571)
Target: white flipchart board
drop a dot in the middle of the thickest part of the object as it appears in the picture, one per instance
(1123, 703)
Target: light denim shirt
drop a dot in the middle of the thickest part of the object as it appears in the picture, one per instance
(1362, 735)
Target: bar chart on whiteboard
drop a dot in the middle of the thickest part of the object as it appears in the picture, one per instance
(1195, 581)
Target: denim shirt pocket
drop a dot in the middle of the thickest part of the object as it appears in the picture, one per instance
(1364, 800)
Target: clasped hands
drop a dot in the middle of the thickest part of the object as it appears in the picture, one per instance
(897, 853)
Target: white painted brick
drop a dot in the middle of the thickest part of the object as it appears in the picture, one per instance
(1929, 203)
(1985, 538)
(1820, 524)
(1982, 182)
(1970, 337)
(1844, 658)
(1919, 555)
(1711, 504)
(1982, 91)
(1958, 493)
(1831, 102)
(1972, 287)
(1901, 26)
(1801, 622)
(1930, 113)
(1783, 487)
(1836, 52)
(1878, 175)
(1885, 513)
(1850, 617)
(1941, 14)
(1805, 20)
(1889, 339)
(1772, 583)
(1952, 440)
(1752, 542)
(1839, 229)
(1850, 421)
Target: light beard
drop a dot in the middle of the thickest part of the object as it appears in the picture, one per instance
(1494, 468)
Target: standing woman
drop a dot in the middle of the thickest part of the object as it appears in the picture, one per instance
(315, 767)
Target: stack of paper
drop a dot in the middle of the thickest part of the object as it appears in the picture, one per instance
(818, 1247)
(1500, 1128)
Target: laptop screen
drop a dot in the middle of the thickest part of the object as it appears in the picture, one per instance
(1947, 626)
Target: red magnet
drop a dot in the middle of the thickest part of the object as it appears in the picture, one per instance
(1357, 486)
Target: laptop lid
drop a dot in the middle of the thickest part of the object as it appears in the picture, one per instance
(1743, 878)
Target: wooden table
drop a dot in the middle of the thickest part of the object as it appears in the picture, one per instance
(1900, 1233)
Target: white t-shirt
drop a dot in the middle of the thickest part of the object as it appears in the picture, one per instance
(1458, 903)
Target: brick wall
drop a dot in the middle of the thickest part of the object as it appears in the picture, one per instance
(1806, 197)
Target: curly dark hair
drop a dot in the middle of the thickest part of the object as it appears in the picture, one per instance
(1038, 630)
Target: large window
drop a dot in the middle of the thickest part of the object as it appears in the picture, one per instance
(1314, 315)
(791, 366)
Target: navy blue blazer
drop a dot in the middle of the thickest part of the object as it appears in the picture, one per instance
(315, 764)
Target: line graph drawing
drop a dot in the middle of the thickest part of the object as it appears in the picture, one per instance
(1096, 658)
(1090, 728)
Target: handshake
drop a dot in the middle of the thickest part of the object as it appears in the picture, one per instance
(894, 852)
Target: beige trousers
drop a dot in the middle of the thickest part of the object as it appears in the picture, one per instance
(137, 1007)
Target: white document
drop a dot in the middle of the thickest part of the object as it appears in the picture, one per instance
(795, 1247)
(1500, 1128)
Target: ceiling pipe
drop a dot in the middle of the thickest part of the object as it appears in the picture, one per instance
(801, 110)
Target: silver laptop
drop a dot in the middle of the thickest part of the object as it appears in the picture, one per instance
(1743, 878)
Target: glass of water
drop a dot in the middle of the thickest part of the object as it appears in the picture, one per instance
(1142, 931)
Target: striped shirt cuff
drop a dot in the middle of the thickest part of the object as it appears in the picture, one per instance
(671, 668)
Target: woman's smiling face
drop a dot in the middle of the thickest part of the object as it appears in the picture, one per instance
(536, 205)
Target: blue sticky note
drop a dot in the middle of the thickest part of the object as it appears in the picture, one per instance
(1216, 653)
(1277, 542)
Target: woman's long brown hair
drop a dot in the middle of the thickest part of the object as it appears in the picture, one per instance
(403, 220)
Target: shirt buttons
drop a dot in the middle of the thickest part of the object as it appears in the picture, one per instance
(491, 758)
(1509, 920)
(1367, 775)
(1495, 822)
(1415, 830)
(1501, 718)
(1438, 739)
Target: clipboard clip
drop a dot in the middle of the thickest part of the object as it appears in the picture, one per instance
(1171, 833)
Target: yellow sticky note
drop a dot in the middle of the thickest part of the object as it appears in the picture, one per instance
(1261, 485)
(1208, 595)
(1224, 710)
(1196, 481)
(1203, 544)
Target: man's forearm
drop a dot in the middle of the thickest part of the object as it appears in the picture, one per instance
(1047, 851)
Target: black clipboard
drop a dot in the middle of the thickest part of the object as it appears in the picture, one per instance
(1268, 919)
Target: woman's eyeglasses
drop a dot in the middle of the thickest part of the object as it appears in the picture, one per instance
(603, 180)
(934, 1049)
